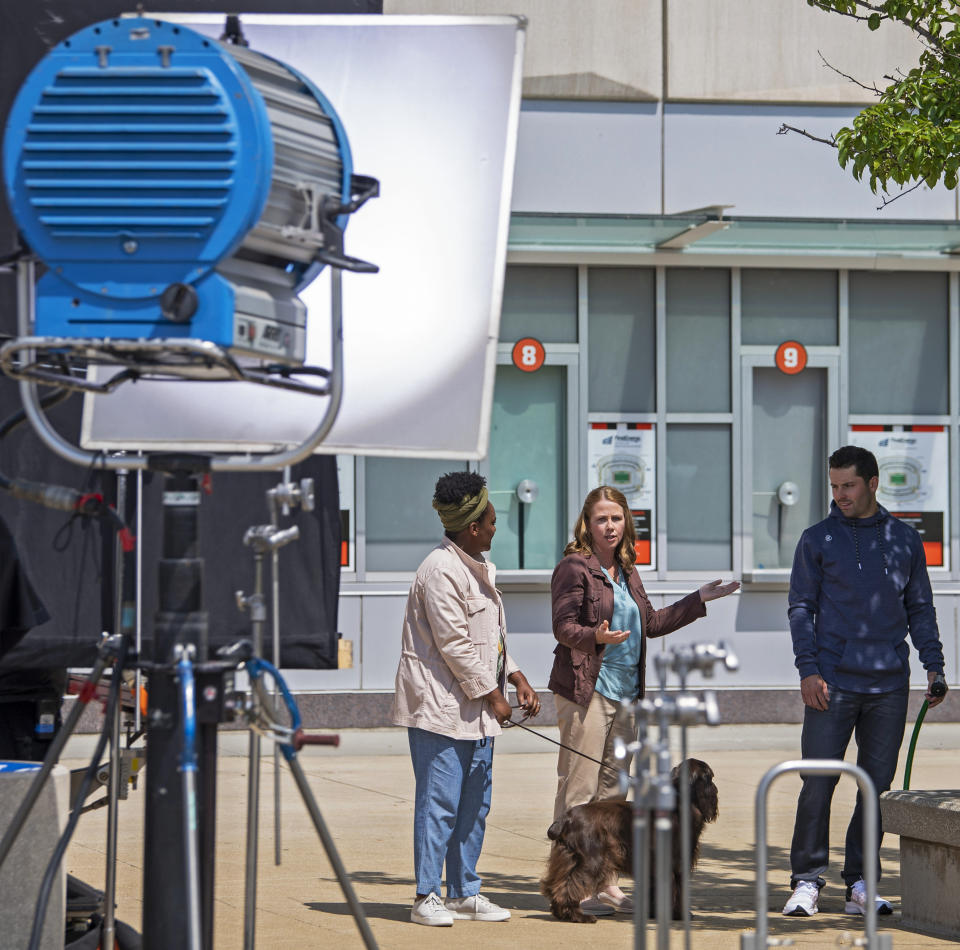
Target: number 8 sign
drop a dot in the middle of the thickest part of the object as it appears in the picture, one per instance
(528, 354)
(791, 357)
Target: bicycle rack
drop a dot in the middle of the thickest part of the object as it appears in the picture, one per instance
(759, 940)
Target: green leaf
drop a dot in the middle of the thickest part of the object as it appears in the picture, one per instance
(873, 21)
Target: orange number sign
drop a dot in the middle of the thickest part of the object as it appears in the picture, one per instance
(791, 357)
(528, 354)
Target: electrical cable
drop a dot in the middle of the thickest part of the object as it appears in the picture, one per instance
(47, 402)
(48, 878)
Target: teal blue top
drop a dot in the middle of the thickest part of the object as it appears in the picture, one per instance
(619, 674)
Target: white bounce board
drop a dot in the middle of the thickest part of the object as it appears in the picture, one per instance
(430, 106)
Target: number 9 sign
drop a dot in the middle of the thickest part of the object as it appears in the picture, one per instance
(528, 354)
(791, 357)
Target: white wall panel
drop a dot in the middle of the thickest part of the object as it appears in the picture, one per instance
(753, 624)
(382, 630)
(732, 155)
(594, 157)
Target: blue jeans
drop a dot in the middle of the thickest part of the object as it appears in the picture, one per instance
(454, 781)
(877, 720)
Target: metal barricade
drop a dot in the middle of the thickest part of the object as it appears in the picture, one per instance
(759, 940)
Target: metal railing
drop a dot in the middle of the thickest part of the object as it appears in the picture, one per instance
(760, 940)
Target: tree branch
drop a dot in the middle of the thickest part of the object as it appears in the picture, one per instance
(889, 201)
(784, 129)
(856, 82)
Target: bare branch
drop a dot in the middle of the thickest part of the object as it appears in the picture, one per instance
(934, 41)
(784, 128)
(889, 201)
(856, 82)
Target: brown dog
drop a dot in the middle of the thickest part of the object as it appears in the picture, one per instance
(593, 845)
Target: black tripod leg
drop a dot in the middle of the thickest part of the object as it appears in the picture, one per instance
(331, 849)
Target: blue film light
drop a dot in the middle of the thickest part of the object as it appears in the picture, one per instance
(177, 187)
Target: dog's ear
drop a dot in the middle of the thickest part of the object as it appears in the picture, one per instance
(703, 791)
(585, 829)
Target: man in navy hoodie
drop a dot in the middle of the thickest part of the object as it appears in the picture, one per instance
(859, 585)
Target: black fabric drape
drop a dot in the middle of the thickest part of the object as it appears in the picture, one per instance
(63, 557)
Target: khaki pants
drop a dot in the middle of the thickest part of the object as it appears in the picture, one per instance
(591, 730)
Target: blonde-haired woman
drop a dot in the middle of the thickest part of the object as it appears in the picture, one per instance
(602, 620)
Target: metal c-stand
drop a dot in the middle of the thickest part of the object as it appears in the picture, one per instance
(652, 783)
(262, 538)
(281, 499)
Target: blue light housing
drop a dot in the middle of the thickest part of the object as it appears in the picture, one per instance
(177, 187)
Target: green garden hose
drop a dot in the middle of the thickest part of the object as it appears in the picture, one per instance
(913, 746)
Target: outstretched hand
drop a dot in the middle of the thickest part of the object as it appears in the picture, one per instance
(716, 589)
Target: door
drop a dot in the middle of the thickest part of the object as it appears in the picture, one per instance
(530, 456)
(790, 426)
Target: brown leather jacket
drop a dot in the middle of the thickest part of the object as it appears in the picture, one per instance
(582, 598)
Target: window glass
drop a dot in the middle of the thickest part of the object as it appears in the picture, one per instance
(528, 443)
(401, 525)
(622, 340)
(698, 340)
(698, 497)
(899, 343)
(540, 302)
(778, 305)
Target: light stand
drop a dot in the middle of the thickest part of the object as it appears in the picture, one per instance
(682, 660)
(180, 621)
(284, 496)
(262, 538)
(653, 790)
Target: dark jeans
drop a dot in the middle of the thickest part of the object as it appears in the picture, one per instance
(877, 720)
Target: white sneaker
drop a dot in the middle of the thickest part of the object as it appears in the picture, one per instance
(430, 912)
(475, 908)
(803, 901)
(857, 901)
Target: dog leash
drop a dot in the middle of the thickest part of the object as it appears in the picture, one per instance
(510, 723)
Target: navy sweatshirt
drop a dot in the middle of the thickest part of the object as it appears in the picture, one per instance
(858, 586)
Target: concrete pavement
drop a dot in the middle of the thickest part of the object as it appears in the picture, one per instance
(365, 790)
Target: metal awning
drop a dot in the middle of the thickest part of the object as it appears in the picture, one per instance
(711, 233)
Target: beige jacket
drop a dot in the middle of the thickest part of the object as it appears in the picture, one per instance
(448, 659)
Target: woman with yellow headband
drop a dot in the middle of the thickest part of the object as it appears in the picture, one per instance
(451, 695)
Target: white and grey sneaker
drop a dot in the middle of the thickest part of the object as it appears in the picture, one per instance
(430, 912)
(475, 908)
(857, 901)
(803, 901)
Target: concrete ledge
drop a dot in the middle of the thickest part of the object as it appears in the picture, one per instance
(928, 823)
(370, 710)
(923, 815)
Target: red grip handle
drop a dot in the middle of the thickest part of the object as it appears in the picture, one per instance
(301, 738)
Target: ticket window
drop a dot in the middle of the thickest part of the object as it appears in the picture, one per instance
(790, 409)
(789, 429)
(529, 461)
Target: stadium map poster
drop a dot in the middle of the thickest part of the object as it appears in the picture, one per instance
(623, 455)
(914, 480)
(345, 477)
